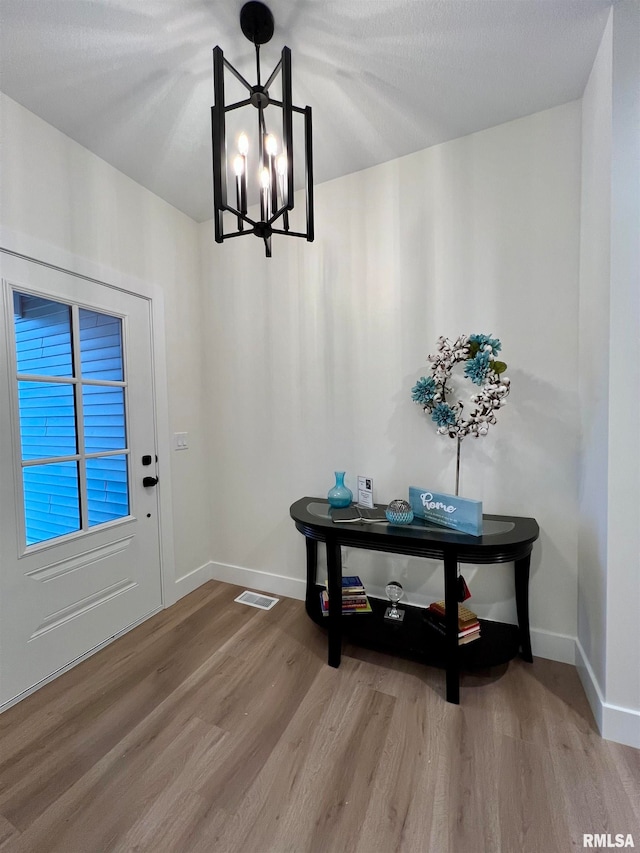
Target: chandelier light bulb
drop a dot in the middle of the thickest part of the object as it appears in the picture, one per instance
(264, 179)
(238, 166)
(281, 164)
(243, 144)
(271, 145)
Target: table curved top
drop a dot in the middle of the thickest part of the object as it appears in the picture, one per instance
(504, 537)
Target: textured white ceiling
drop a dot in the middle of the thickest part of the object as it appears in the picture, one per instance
(132, 79)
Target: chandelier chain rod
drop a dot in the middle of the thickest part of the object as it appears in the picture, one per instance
(258, 62)
(261, 122)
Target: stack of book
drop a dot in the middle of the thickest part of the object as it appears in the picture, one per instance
(468, 622)
(354, 597)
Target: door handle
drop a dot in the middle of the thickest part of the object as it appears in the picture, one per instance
(149, 481)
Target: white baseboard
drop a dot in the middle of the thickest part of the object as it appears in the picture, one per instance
(192, 580)
(260, 581)
(591, 686)
(621, 725)
(558, 647)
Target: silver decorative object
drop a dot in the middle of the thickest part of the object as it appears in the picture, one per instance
(394, 594)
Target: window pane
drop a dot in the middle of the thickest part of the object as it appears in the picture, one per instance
(107, 489)
(103, 418)
(51, 506)
(43, 336)
(100, 346)
(47, 419)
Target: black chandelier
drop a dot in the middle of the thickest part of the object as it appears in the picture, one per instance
(271, 162)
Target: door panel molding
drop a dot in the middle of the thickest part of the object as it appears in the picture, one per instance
(79, 608)
(63, 567)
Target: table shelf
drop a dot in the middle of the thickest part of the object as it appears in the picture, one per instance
(413, 638)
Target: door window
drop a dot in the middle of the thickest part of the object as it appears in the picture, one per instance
(72, 391)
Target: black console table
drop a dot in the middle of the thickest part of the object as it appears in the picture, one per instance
(505, 539)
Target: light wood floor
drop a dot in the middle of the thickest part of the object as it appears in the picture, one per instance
(217, 727)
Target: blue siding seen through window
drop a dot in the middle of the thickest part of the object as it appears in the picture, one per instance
(43, 336)
(51, 503)
(107, 489)
(100, 346)
(48, 416)
(47, 419)
(103, 418)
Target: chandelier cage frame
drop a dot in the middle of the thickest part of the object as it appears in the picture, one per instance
(276, 200)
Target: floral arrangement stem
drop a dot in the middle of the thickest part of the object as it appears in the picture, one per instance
(458, 467)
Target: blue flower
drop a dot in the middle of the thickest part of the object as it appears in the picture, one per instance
(423, 391)
(476, 369)
(443, 415)
(483, 340)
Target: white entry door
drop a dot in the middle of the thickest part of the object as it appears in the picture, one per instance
(79, 531)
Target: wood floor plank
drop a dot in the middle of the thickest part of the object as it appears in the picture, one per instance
(528, 813)
(328, 794)
(267, 803)
(8, 832)
(403, 794)
(219, 728)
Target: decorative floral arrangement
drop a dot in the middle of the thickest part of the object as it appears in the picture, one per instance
(482, 368)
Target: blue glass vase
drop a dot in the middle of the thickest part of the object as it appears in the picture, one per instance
(340, 495)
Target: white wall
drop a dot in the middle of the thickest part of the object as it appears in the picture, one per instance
(623, 558)
(58, 201)
(595, 250)
(609, 539)
(313, 355)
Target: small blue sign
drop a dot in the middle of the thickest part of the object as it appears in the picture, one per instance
(448, 510)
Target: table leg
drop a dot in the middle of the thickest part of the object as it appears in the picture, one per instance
(334, 576)
(451, 626)
(521, 571)
(312, 564)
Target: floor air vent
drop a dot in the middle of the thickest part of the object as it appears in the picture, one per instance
(256, 599)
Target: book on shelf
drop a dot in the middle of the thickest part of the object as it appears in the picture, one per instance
(351, 585)
(469, 639)
(360, 606)
(358, 514)
(353, 599)
(466, 617)
(436, 620)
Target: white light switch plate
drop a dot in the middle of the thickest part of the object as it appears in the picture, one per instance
(180, 441)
